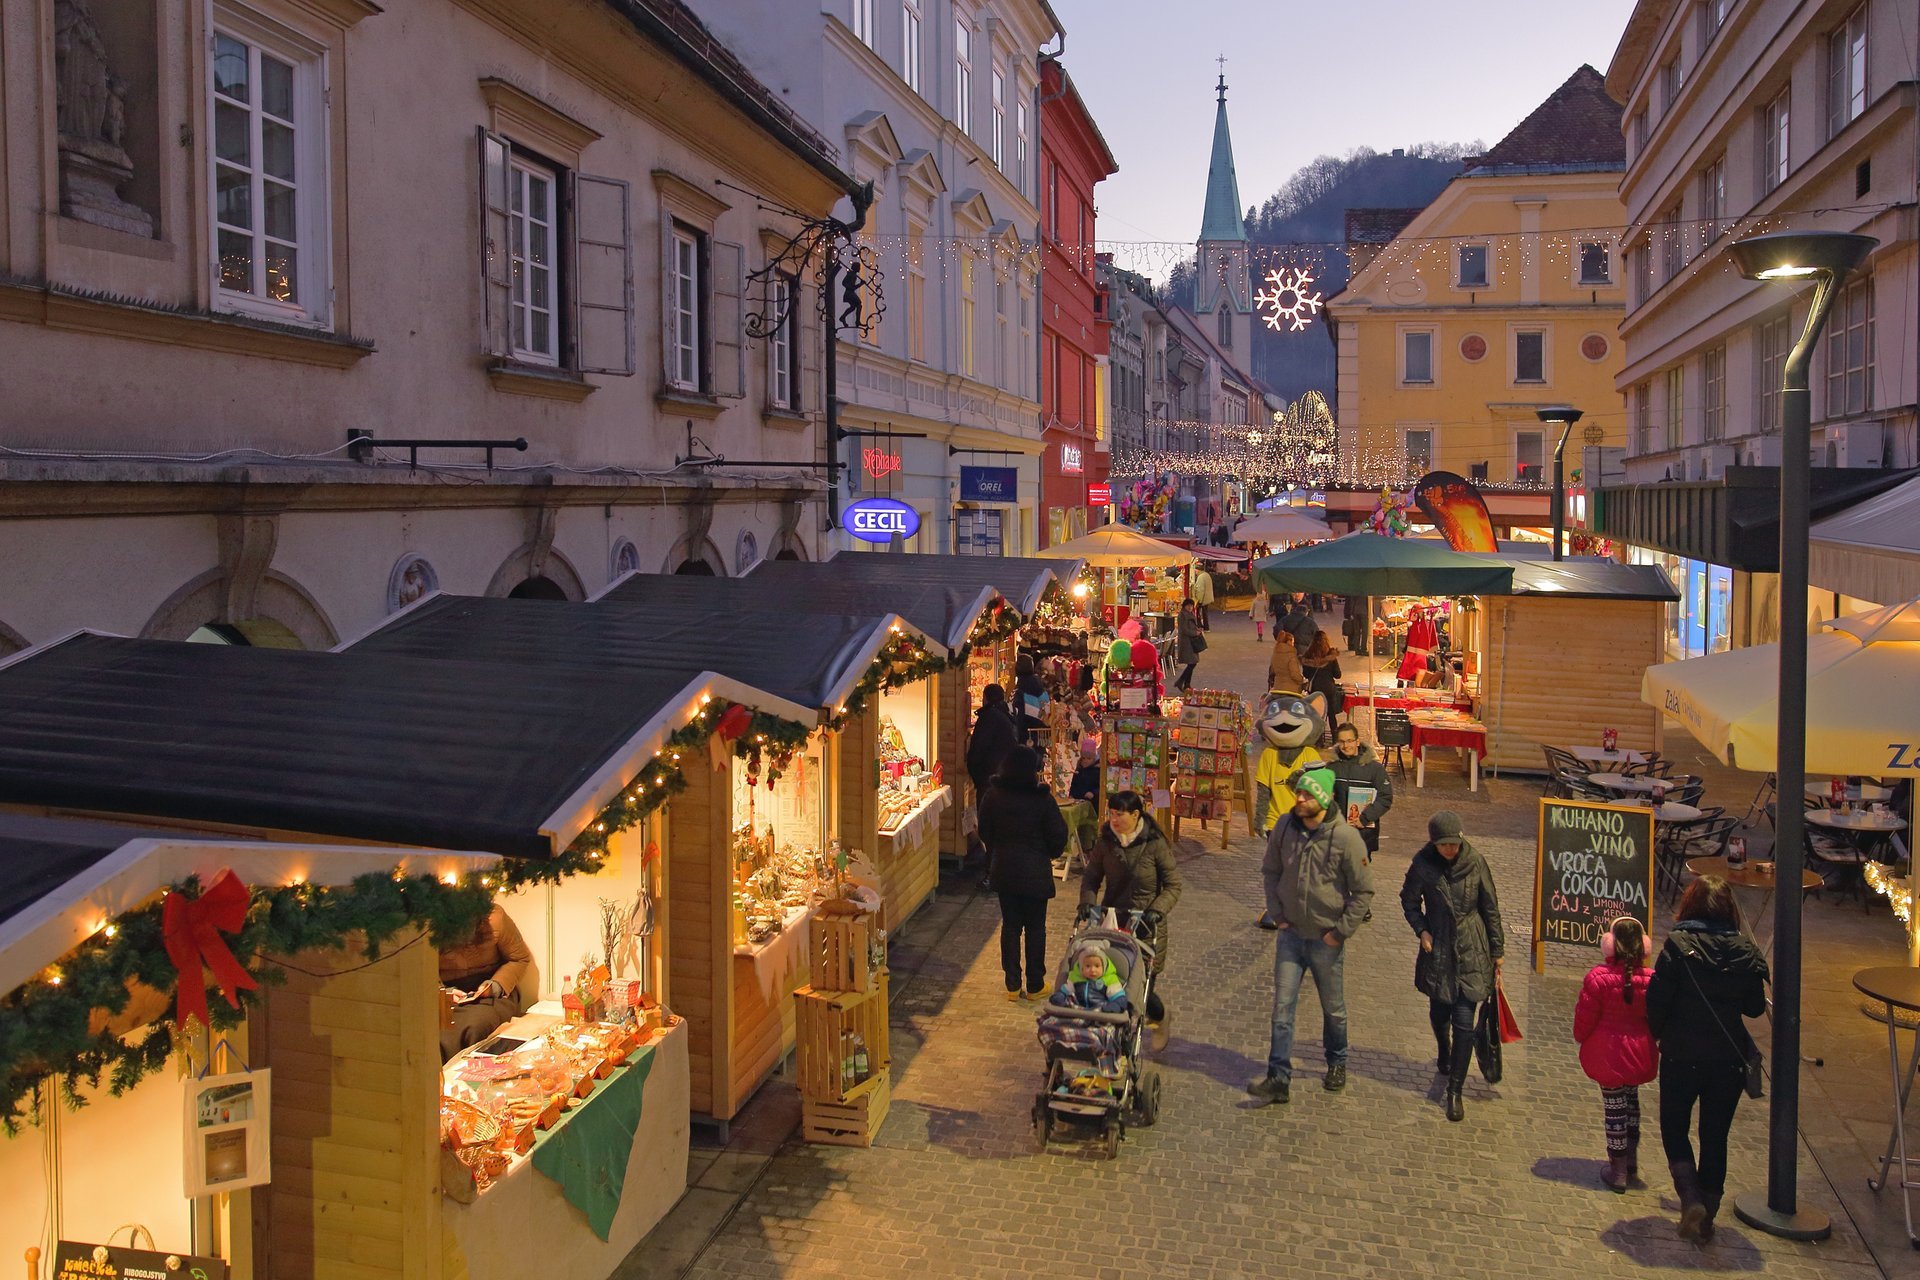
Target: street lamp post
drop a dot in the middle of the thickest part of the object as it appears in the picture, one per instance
(1826, 258)
(1567, 417)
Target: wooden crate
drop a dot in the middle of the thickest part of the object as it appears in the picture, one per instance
(842, 936)
(853, 1122)
(823, 1020)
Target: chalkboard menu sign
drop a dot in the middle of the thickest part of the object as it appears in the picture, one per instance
(75, 1261)
(1595, 864)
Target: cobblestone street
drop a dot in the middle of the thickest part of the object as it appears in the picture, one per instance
(1372, 1181)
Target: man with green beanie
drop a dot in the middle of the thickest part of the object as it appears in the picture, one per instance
(1318, 891)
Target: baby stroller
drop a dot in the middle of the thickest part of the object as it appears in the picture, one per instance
(1096, 1074)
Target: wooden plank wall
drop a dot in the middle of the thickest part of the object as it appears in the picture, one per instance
(699, 906)
(908, 875)
(1560, 671)
(356, 1088)
(950, 749)
(763, 1031)
(858, 757)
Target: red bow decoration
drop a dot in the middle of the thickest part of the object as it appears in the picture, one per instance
(736, 720)
(191, 928)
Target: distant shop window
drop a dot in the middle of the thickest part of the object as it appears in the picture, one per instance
(1850, 351)
(1776, 158)
(1416, 356)
(977, 532)
(1530, 355)
(1472, 272)
(1713, 369)
(1419, 445)
(1596, 262)
(1529, 455)
(1771, 342)
(1847, 72)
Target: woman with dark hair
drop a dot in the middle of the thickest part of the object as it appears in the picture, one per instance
(994, 734)
(1131, 868)
(1709, 979)
(1030, 696)
(1024, 831)
(1449, 900)
(1321, 667)
(1187, 644)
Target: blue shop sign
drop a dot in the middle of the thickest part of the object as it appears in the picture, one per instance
(880, 520)
(989, 484)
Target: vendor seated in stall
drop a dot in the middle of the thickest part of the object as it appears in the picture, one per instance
(483, 976)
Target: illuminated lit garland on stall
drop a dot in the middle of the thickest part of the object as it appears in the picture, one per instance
(1882, 880)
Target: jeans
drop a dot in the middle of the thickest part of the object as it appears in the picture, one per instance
(1717, 1087)
(1293, 955)
(1023, 918)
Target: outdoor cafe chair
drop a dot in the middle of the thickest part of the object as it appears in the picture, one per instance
(1762, 801)
(1654, 766)
(1840, 864)
(1565, 771)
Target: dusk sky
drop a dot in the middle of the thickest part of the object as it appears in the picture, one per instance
(1305, 79)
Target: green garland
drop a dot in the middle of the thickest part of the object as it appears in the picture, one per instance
(901, 661)
(45, 1027)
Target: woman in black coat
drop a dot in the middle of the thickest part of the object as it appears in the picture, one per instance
(1024, 831)
(1449, 900)
(1709, 979)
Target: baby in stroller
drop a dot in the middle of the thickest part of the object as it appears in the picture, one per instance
(1091, 1030)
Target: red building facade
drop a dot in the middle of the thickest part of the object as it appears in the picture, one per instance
(1074, 158)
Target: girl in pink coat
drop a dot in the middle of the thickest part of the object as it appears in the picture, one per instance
(1616, 1049)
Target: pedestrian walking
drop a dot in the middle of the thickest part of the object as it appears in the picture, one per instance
(1024, 832)
(1354, 764)
(1258, 610)
(1030, 697)
(1188, 644)
(1301, 622)
(1320, 667)
(1319, 892)
(1284, 674)
(1450, 903)
(1709, 978)
(1202, 593)
(1131, 868)
(994, 733)
(1616, 1047)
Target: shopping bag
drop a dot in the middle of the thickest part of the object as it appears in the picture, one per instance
(1486, 1041)
(1509, 1025)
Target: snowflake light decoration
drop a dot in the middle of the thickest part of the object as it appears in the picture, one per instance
(1288, 299)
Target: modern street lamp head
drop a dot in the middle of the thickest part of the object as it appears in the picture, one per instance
(1795, 255)
(1558, 413)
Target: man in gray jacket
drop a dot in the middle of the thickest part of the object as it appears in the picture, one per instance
(1319, 891)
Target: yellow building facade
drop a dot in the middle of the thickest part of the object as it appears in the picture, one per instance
(1502, 297)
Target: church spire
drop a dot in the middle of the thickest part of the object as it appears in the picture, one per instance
(1221, 217)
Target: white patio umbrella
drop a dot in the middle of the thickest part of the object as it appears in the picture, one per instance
(1863, 697)
(1280, 526)
(1116, 546)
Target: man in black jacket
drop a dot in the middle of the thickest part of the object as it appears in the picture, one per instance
(1024, 831)
(994, 734)
(1355, 765)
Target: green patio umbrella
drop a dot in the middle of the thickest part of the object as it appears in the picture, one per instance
(1372, 564)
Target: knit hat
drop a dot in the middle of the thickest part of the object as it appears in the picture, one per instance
(1445, 825)
(1317, 783)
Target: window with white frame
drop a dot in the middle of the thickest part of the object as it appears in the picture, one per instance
(1471, 266)
(1713, 197)
(685, 294)
(966, 312)
(1676, 406)
(1418, 443)
(1003, 337)
(1671, 82)
(916, 297)
(1850, 350)
(1530, 355)
(910, 43)
(1673, 243)
(783, 347)
(1596, 262)
(1771, 342)
(1775, 135)
(1713, 398)
(963, 75)
(1529, 454)
(1847, 71)
(1025, 350)
(1053, 202)
(269, 167)
(534, 321)
(1713, 16)
(864, 24)
(998, 141)
(1020, 143)
(1416, 356)
(1642, 418)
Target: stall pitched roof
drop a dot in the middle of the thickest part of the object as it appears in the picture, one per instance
(1019, 580)
(1590, 578)
(439, 754)
(39, 855)
(663, 624)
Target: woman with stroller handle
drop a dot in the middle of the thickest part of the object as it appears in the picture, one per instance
(1709, 978)
(1450, 903)
(1024, 831)
(1131, 868)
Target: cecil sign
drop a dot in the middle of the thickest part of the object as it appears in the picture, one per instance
(881, 520)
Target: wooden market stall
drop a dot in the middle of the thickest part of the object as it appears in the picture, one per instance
(381, 749)
(747, 841)
(1562, 657)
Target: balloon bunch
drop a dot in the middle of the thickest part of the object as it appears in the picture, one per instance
(1139, 658)
(1390, 517)
(1146, 506)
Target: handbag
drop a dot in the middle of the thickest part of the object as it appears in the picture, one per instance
(1509, 1025)
(1486, 1040)
(1198, 643)
(1756, 1065)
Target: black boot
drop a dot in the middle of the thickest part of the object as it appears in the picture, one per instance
(1693, 1209)
(1442, 1023)
(1457, 1069)
(1711, 1205)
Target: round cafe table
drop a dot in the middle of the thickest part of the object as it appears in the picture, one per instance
(1868, 833)
(1896, 987)
(1756, 876)
(1866, 792)
(1601, 759)
(1622, 783)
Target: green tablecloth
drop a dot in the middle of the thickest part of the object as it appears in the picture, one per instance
(587, 1152)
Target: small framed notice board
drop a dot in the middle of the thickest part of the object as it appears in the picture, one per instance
(1594, 863)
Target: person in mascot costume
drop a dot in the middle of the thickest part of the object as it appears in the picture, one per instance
(1290, 724)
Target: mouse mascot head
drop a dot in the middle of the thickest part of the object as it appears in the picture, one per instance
(1290, 725)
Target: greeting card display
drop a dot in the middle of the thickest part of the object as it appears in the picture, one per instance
(1210, 745)
(1137, 756)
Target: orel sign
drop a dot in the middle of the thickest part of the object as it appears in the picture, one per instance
(880, 520)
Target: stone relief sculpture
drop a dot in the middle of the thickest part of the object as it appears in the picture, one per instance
(411, 578)
(90, 110)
